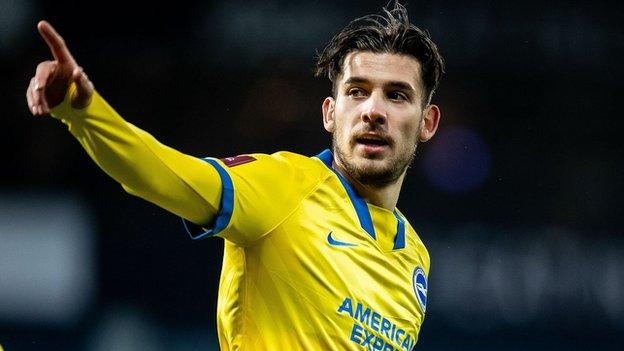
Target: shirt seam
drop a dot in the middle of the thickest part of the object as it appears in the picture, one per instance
(295, 208)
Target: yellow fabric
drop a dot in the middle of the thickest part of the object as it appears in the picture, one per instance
(290, 289)
(285, 283)
(179, 183)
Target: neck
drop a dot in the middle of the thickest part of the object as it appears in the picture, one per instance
(385, 196)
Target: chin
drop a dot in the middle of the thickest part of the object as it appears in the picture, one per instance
(374, 169)
(374, 172)
(372, 165)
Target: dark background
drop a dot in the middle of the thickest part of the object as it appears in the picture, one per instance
(518, 197)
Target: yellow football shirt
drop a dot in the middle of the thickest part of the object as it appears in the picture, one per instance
(308, 265)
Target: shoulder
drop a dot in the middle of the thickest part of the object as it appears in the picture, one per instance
(300, 160)
(291, 161)
(280, 169)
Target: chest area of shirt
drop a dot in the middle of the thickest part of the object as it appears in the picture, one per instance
(329, 230)
(377, 296)
(325, 241)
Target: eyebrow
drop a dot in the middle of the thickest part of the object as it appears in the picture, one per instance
(392, 84)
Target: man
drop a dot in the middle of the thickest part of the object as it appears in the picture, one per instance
(316, 257)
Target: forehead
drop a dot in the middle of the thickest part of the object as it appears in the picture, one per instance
(382, 67)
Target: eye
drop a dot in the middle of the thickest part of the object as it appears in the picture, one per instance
(356, 92)
(397, 96)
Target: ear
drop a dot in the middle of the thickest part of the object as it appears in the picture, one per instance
(429, 125)
(328, 113)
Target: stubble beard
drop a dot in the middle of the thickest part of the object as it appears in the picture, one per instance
(378, 177)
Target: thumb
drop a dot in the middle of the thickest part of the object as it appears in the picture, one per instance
(84, 89)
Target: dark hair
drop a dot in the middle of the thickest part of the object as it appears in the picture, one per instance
(392, 33)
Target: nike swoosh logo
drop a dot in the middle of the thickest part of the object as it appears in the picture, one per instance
(334, 242)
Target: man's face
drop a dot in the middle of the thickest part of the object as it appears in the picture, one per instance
(377, 116)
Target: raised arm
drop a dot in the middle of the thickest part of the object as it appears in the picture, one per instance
(179, 183)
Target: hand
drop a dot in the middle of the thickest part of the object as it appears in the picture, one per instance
(52, 78)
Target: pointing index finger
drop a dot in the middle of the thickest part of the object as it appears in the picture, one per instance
(55, 42)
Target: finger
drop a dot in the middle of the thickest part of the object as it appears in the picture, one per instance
(29, 96)
(34, 107)
(55, 43)
(84, 88)
(36, 93)
(44, 71)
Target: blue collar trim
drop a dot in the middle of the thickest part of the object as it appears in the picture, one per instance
(399, 239)
(361, 209)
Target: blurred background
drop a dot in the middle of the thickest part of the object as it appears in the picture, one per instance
(518, 197)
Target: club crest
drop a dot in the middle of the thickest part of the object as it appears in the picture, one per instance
(419, 281)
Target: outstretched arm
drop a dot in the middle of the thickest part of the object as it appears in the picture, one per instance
(179, 183)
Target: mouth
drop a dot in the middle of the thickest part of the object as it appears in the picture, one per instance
(372, 139)
(372, 143)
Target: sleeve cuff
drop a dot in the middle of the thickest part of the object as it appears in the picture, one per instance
(64, 110)
(226, 208)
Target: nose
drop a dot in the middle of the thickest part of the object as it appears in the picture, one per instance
(374, 111)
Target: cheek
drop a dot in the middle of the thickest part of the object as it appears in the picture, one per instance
(341, 126)
(341, 134)
(410, 132)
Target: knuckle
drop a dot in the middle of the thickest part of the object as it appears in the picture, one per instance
(42, 67)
